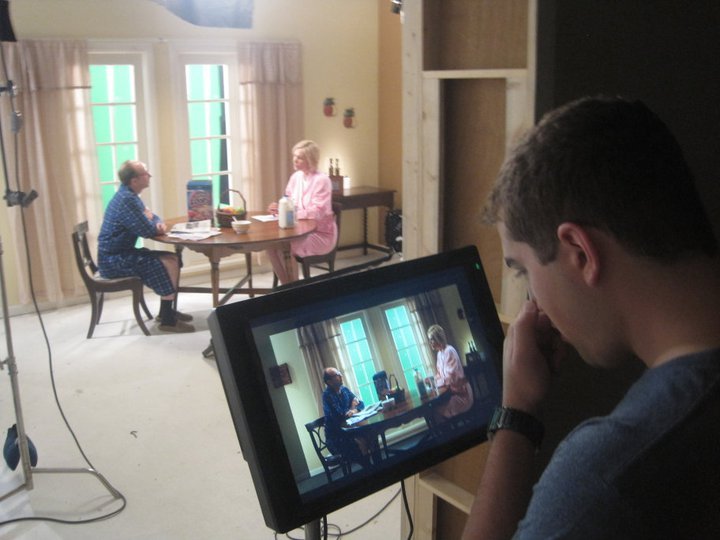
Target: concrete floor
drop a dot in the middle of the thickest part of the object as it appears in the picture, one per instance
(151, 417)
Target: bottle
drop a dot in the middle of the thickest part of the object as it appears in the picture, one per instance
(337, 166)
(286, 213)
(331, 171)
(420, 384)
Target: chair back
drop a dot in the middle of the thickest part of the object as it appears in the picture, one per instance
(316, 429)
(83, 257)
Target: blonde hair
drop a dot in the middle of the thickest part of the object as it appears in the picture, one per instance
(437, 333)
(310, 151)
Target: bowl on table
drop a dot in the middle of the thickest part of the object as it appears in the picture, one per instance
(240, 226)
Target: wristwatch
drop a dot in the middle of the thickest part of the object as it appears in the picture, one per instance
(519, 421)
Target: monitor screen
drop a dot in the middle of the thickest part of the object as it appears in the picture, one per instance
(286, 358)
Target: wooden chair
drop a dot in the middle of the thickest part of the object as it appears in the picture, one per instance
(326, 261)
(332, 463)
(97, 286)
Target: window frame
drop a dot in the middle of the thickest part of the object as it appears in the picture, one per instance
(183, 54)
(141, 58)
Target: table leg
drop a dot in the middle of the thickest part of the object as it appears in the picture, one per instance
(215, 280)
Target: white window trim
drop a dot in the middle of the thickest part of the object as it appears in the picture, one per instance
(139, 54)
(220, 52)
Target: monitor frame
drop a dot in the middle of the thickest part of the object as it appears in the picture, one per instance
(245, 382)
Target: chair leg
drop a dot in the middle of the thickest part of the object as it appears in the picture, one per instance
(101, 303)
(144, 306)
(94, 315)
(137, 299)
(248, 268)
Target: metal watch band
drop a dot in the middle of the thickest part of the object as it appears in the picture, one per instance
(518, 421)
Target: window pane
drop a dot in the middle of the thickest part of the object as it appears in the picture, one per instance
(105, 163)
(216, 118)
(195, 80)
(124, 126)
(101, 122)
(123, 84)
(123, 152)
(107, 192)
(197, 120)
(218, 154)
(199, 153)
(98, 87)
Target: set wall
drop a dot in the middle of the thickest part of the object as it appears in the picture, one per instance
(340, 60)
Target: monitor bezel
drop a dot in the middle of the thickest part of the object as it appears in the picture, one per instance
(250, 404)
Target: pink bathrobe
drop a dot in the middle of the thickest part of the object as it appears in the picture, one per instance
(450, 373)
(312, 196)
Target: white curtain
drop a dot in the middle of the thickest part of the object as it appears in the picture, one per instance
(271, 104)
(55, 157)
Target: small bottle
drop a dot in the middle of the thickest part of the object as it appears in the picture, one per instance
(286, 213)
(420, 384)
(331, 170)
(337, 166)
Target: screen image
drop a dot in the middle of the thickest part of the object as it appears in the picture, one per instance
(418, 400)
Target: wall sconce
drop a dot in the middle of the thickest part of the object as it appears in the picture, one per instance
(349, 118)
(329, 106)
(396, 6)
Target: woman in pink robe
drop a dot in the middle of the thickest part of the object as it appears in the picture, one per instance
(311, 192)
(449, 374)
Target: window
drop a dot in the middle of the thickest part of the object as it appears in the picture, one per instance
(406, 344)
(115, 111)
(209, 121)
(359, 353)
(208, 106)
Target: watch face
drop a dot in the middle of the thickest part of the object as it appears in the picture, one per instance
(518, 421)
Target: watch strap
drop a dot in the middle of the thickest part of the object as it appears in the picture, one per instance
(518, 421)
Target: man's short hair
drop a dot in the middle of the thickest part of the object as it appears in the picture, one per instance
(607, 163)
(328, 374)
(128, 171)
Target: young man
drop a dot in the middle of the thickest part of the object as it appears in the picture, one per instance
(126, 219)
(597, 208)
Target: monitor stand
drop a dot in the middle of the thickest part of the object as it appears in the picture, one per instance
(312, 530)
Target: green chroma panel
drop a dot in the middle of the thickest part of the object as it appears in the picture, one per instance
(196, 119)
(101, 123)
(124, 84)
(98, 84)
(195, 81)
(218, 153)
(105, 163)
(107, 191)
(199, 157)
(216, 115)
(361, 376)
(123, 152)
(216, 74)
(124, 123)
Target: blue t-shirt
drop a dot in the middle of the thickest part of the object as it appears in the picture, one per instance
(650, 469)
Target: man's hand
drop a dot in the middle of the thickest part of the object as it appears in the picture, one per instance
(161, 228)
(532, 352)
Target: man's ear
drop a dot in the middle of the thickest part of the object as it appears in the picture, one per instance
(581, 250)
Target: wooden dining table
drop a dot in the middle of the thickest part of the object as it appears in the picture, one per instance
(262, 235)
(402, 412)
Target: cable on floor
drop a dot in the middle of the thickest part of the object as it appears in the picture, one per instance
(338, 532)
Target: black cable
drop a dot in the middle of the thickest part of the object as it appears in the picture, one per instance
(49, 349)
(407, 509)
(340, 532)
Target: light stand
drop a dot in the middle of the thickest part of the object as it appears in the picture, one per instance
(19, 198)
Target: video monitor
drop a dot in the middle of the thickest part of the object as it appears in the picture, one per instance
(422, 402)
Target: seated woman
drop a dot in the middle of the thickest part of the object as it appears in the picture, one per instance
(449, 375)
(311, 191)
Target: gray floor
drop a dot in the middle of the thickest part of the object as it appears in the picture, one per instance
(150, 415)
